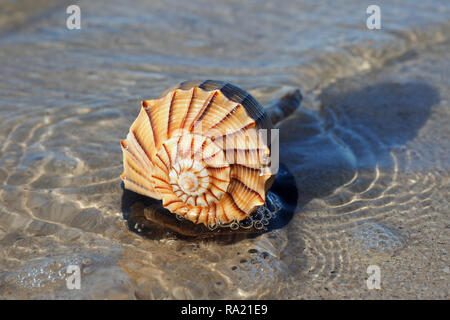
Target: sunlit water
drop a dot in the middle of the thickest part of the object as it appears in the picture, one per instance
(367, 151)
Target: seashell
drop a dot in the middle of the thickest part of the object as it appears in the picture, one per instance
(198, 148)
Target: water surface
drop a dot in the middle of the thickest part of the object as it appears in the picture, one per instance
(368, 150)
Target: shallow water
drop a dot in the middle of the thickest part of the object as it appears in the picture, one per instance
(368, 150)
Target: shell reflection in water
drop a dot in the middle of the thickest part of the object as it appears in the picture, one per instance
(198, 148)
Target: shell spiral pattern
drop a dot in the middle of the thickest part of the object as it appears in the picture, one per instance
(198, 148)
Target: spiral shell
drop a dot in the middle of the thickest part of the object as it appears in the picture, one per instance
(198, 148)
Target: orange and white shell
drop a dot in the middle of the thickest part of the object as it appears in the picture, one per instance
(198, 148)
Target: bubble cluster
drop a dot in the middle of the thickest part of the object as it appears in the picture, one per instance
(374, 236)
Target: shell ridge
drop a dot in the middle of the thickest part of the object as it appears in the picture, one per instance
(177, 154)
(146, 106)
(166, 169)
(236, 132)
(236, 206)
(168, 203)
(206, 106)
(226, 116)
(136, 170)
(169, 117)
(141, 154)
(191, 151)
(158, 178)
(129, 177)
(168, 155)
(141, 145)
(207, 214)
(224, 214)
(127, 150)
(183, 122)
(247, 188)
(137, 187)
(218, 187)
(213, 195)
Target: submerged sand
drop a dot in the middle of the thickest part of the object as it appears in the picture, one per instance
(368, 150)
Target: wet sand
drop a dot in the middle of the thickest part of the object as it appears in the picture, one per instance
(368, 150)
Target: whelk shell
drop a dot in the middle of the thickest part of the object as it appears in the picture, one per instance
(198, 148)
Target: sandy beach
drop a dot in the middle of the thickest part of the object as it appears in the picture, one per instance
(368, 149)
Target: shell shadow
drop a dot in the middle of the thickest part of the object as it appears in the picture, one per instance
(323, 148)
(147, 217)
(393, 111)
